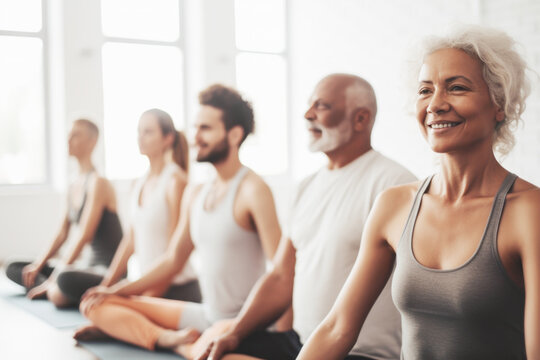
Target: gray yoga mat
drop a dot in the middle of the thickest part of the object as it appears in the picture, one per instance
(109, 350)
(46, 311)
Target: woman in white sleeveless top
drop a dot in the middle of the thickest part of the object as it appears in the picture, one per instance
(155, 208)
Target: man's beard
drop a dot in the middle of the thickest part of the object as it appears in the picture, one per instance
(218, 154)
(331, 138)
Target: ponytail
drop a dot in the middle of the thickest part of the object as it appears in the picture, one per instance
(180, 145)
(181, 151)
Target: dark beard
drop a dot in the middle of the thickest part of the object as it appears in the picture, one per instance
(218, 154)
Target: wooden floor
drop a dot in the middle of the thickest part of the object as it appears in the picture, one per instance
(23, 336)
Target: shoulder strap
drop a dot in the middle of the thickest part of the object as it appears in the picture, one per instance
(498, 206)
(411, 220)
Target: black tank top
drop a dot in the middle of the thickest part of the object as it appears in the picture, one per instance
(472, 312)
(108, 232)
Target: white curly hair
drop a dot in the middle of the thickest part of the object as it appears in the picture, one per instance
(503, 70)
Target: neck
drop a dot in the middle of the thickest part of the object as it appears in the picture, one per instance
(228, 168)
(469, 174)
(346, 154)
(157, 163)
(85, 165)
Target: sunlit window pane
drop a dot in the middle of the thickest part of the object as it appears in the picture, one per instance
(141, 19)
(137, 78)
(22, 121)
(266, 151)
(260, 25)
(20, 15)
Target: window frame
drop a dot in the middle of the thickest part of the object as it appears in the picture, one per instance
(42, 35)
(285, 53)
(179, 43)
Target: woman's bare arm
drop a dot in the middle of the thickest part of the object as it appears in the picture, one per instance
(175, 191)
(30, 271)
(98, 192)
(530, 258)
(118, 266)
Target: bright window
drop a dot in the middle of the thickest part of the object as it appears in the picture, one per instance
(20, 15)
(261, 73)
(266, 150)
(260, 25)
(22, 111)
(141, 19)
(138, 76)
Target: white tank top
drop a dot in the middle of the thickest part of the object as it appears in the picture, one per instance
(151, 225)
(232, 257)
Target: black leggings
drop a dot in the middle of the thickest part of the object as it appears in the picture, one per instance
(14, 273)
(72, 283)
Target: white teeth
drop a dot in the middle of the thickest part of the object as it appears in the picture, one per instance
(441, 126)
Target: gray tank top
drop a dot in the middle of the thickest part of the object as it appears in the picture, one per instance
(231, 257)
(472, 312)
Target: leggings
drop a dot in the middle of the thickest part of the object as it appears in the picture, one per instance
(73, 282)
(140, 320)
(14, 273)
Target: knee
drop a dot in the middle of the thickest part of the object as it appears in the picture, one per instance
(14, 272)
(84, 307)
(56, 297)
(89, 306)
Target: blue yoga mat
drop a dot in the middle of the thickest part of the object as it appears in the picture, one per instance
(109, 350)
(46, 311)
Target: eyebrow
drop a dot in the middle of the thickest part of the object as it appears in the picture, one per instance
(449, 80)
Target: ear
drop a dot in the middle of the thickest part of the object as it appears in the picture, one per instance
(499, 115)
(361, 119)
(235, 135)
(169, 139)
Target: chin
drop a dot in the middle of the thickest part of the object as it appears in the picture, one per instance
(444, 148)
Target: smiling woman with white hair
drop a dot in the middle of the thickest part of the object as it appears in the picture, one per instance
(465, 242)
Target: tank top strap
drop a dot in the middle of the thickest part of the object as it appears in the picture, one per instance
(76, 213)
(165, 175)
(411, 220)
(235, 183)
(497, 208)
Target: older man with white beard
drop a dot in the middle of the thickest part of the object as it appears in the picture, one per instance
(323, 238)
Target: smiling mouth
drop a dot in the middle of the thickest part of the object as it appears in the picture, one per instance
(443, 125)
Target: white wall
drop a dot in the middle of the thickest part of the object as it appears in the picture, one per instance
(368, 38)
(373, 39)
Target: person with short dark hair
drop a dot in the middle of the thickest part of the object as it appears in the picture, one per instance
(231, 221)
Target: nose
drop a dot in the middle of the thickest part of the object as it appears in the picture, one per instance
(197, 136)
(310, 114)
(438, 103)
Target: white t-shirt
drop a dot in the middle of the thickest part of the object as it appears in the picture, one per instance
(328, 216)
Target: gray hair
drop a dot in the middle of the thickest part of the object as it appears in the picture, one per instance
(503, 71)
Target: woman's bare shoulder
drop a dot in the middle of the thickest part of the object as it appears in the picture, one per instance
(398, 195)
(525, 194)
(523, 209)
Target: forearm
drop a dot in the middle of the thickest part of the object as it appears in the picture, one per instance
(118, 266)
(53, 248)
(328, 342)
(163, 271)
(75, 251)
(269, 299)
